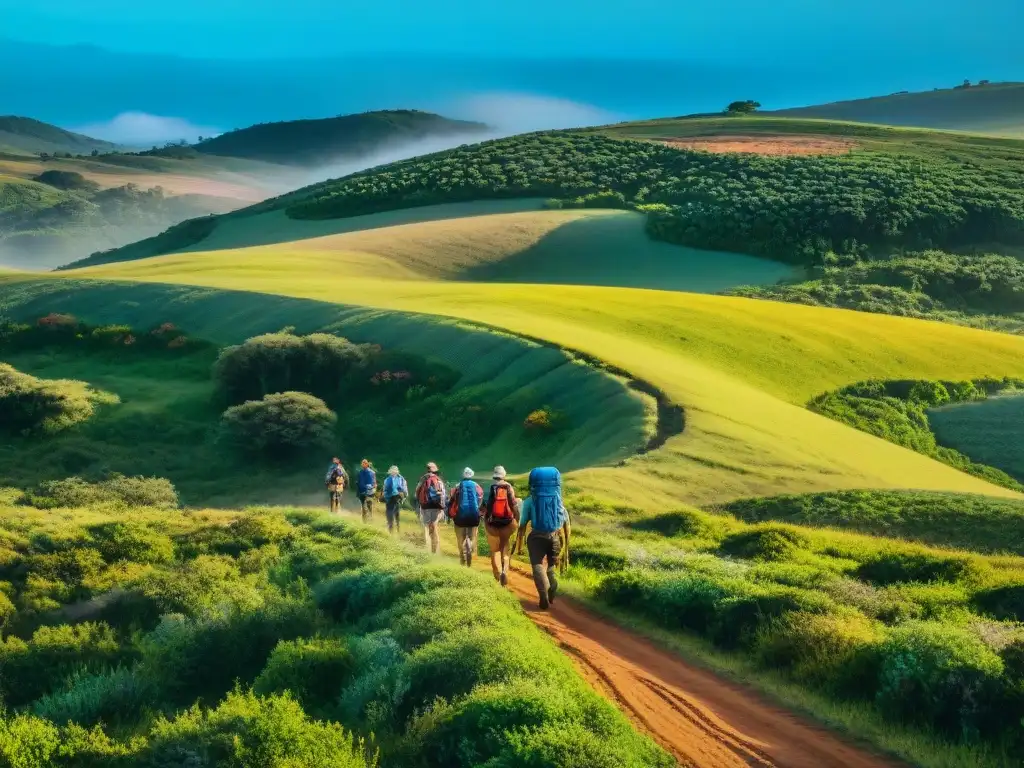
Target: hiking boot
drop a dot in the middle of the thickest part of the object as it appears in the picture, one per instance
(503, 579)
(544, 602)
(552, 585)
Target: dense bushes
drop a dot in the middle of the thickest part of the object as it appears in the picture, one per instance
(283, 362)
(790, 208)
(44, 406)
(979, 523)
(237, 654)
(280, 425)
(117, 489)
(897, 411)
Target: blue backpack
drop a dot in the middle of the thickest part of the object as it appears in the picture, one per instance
(468, 513)
(546, 492)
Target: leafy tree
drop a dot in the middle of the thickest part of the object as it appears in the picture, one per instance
(743, 107)
(280, 425)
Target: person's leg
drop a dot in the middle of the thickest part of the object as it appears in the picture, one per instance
(389, 515)
(506, 552)
(434, 538)
(471, 550)
(460, 541)
(553, 555)
(539, 546)
(497, 547)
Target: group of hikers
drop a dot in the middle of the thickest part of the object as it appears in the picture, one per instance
(466, 506)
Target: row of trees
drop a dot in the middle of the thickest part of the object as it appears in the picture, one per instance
(796, 209)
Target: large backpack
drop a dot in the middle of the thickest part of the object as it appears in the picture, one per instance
(431, 495)
(499, 506)
(546, 492)
(467, 513)
(336, 477)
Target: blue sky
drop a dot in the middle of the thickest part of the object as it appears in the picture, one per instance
(709, 30)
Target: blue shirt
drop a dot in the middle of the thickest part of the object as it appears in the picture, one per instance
(367, 481)
(526, 514)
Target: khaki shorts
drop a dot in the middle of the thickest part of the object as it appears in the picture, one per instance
(428, 516)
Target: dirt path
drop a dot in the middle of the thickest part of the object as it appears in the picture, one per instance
(700, 719)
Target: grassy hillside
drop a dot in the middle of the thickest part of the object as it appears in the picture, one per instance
(743, 369)
(308, 142)
(996, 108)
(23, 135)
(989, 431)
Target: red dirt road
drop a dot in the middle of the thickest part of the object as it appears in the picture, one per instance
(766, 145)
(700, 719)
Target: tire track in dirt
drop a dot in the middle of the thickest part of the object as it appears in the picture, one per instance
(700, 719)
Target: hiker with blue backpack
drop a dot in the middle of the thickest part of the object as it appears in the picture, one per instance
(548, 542)
(366, 489)
(464, 510)
(430, 501)
(394, 492)
(336, 480)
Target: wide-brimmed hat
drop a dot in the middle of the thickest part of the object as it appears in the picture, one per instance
(392, 470)
(431, 466)
(499, 473)
(467, 473)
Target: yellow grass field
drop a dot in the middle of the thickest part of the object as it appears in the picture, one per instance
(741, 368)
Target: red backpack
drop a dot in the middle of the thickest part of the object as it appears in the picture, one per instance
(499, 506)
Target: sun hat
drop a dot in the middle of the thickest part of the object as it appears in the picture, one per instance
(467, 473)
(392, 470)
(431, 466)
(499, 473)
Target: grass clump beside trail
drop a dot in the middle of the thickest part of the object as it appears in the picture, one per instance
(979, 523)
(898, 412)
(40, 406)
(234, 638)
(989, 431)
(928, 639)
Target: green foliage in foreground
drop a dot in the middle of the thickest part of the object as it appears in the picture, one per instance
(929, 639)
(40, 406)
(897, 411)
(979, 523)
(275, 638)
(789, 208)
(985, 291)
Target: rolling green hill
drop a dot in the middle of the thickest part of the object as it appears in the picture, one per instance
(996, 108)
(25, 136)
(308, 142)
(990, 431)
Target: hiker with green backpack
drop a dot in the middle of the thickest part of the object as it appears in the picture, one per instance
(548, 543)
(430, 501)
(464, 510)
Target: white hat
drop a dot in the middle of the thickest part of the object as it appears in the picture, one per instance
(431, 466)
(499, 473)
(467, 473)
(393, 470)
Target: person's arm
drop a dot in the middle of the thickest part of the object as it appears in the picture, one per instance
(566, 531)
(524, 518)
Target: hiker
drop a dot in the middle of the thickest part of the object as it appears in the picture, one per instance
(500, 513)
(394, 492)
(464, 510)
(430, 500)
(366, 489)
(336, 479)
(544, 511)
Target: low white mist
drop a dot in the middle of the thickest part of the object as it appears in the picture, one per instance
(140, 129)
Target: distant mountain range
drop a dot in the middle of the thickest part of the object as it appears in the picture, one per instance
(24, 135)
(996, 108)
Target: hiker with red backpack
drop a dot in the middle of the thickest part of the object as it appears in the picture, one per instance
(500, 513)
(464, 511)
(548, 543)
(430, 500)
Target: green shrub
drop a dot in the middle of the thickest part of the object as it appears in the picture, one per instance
(279, 425)
(895, 566)
(836, 653)
(132, 542)
(29, 670)
(44, 406)
(247, 731)
(313, 670)
(142, 491)
(1005, 602)
(117, 489)
(767, 542)
(69, 573)
(283, 362)
(115, 697)
(938, 675)
(683, 522)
